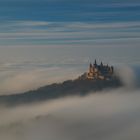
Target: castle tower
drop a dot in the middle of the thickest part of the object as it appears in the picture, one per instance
(90, 68)
(101, 64)
(112, 69)
(95, 63)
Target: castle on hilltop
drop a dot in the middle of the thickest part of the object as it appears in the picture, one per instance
(98, 72)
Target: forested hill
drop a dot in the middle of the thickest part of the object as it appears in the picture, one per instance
(78, 87)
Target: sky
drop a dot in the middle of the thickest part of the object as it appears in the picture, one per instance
(40, 37)
(69, 22)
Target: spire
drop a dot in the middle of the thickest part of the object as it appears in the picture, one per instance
(112, 68)
(95, 63)
(90, 65)
(101, 63)
(90, 68)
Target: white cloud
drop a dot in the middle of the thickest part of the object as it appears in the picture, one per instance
(102, 116)
(19, 81)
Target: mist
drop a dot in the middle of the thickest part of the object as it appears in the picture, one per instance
(24, 68)
(25, 80)
(105, 115)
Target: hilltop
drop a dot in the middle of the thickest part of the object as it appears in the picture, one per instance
(81, 86)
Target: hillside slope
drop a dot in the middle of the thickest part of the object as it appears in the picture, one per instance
(78, 87)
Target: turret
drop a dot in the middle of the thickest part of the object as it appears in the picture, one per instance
(90, 68)
(95, 63)
(112, 68)
(101, 64)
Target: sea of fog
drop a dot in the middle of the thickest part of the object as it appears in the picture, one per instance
(106, 115)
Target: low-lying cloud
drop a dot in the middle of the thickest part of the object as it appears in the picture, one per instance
(127, 76)
(105, 115)
(110, 114)
(22, 81)
(25, 80)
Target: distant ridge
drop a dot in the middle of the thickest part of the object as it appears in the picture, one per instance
(81, 86)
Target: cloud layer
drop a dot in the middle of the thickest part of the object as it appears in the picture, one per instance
(102, 116)
(26, 68)
(56, 33)
(106, 115)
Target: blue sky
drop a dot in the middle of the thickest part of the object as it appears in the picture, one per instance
(70, 10)
(56, 22)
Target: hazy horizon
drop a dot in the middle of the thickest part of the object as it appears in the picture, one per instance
(27, 68)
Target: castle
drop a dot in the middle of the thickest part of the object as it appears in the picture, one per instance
(102, 72)
(98, 72)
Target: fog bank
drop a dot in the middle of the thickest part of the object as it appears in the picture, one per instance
(105, 115)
